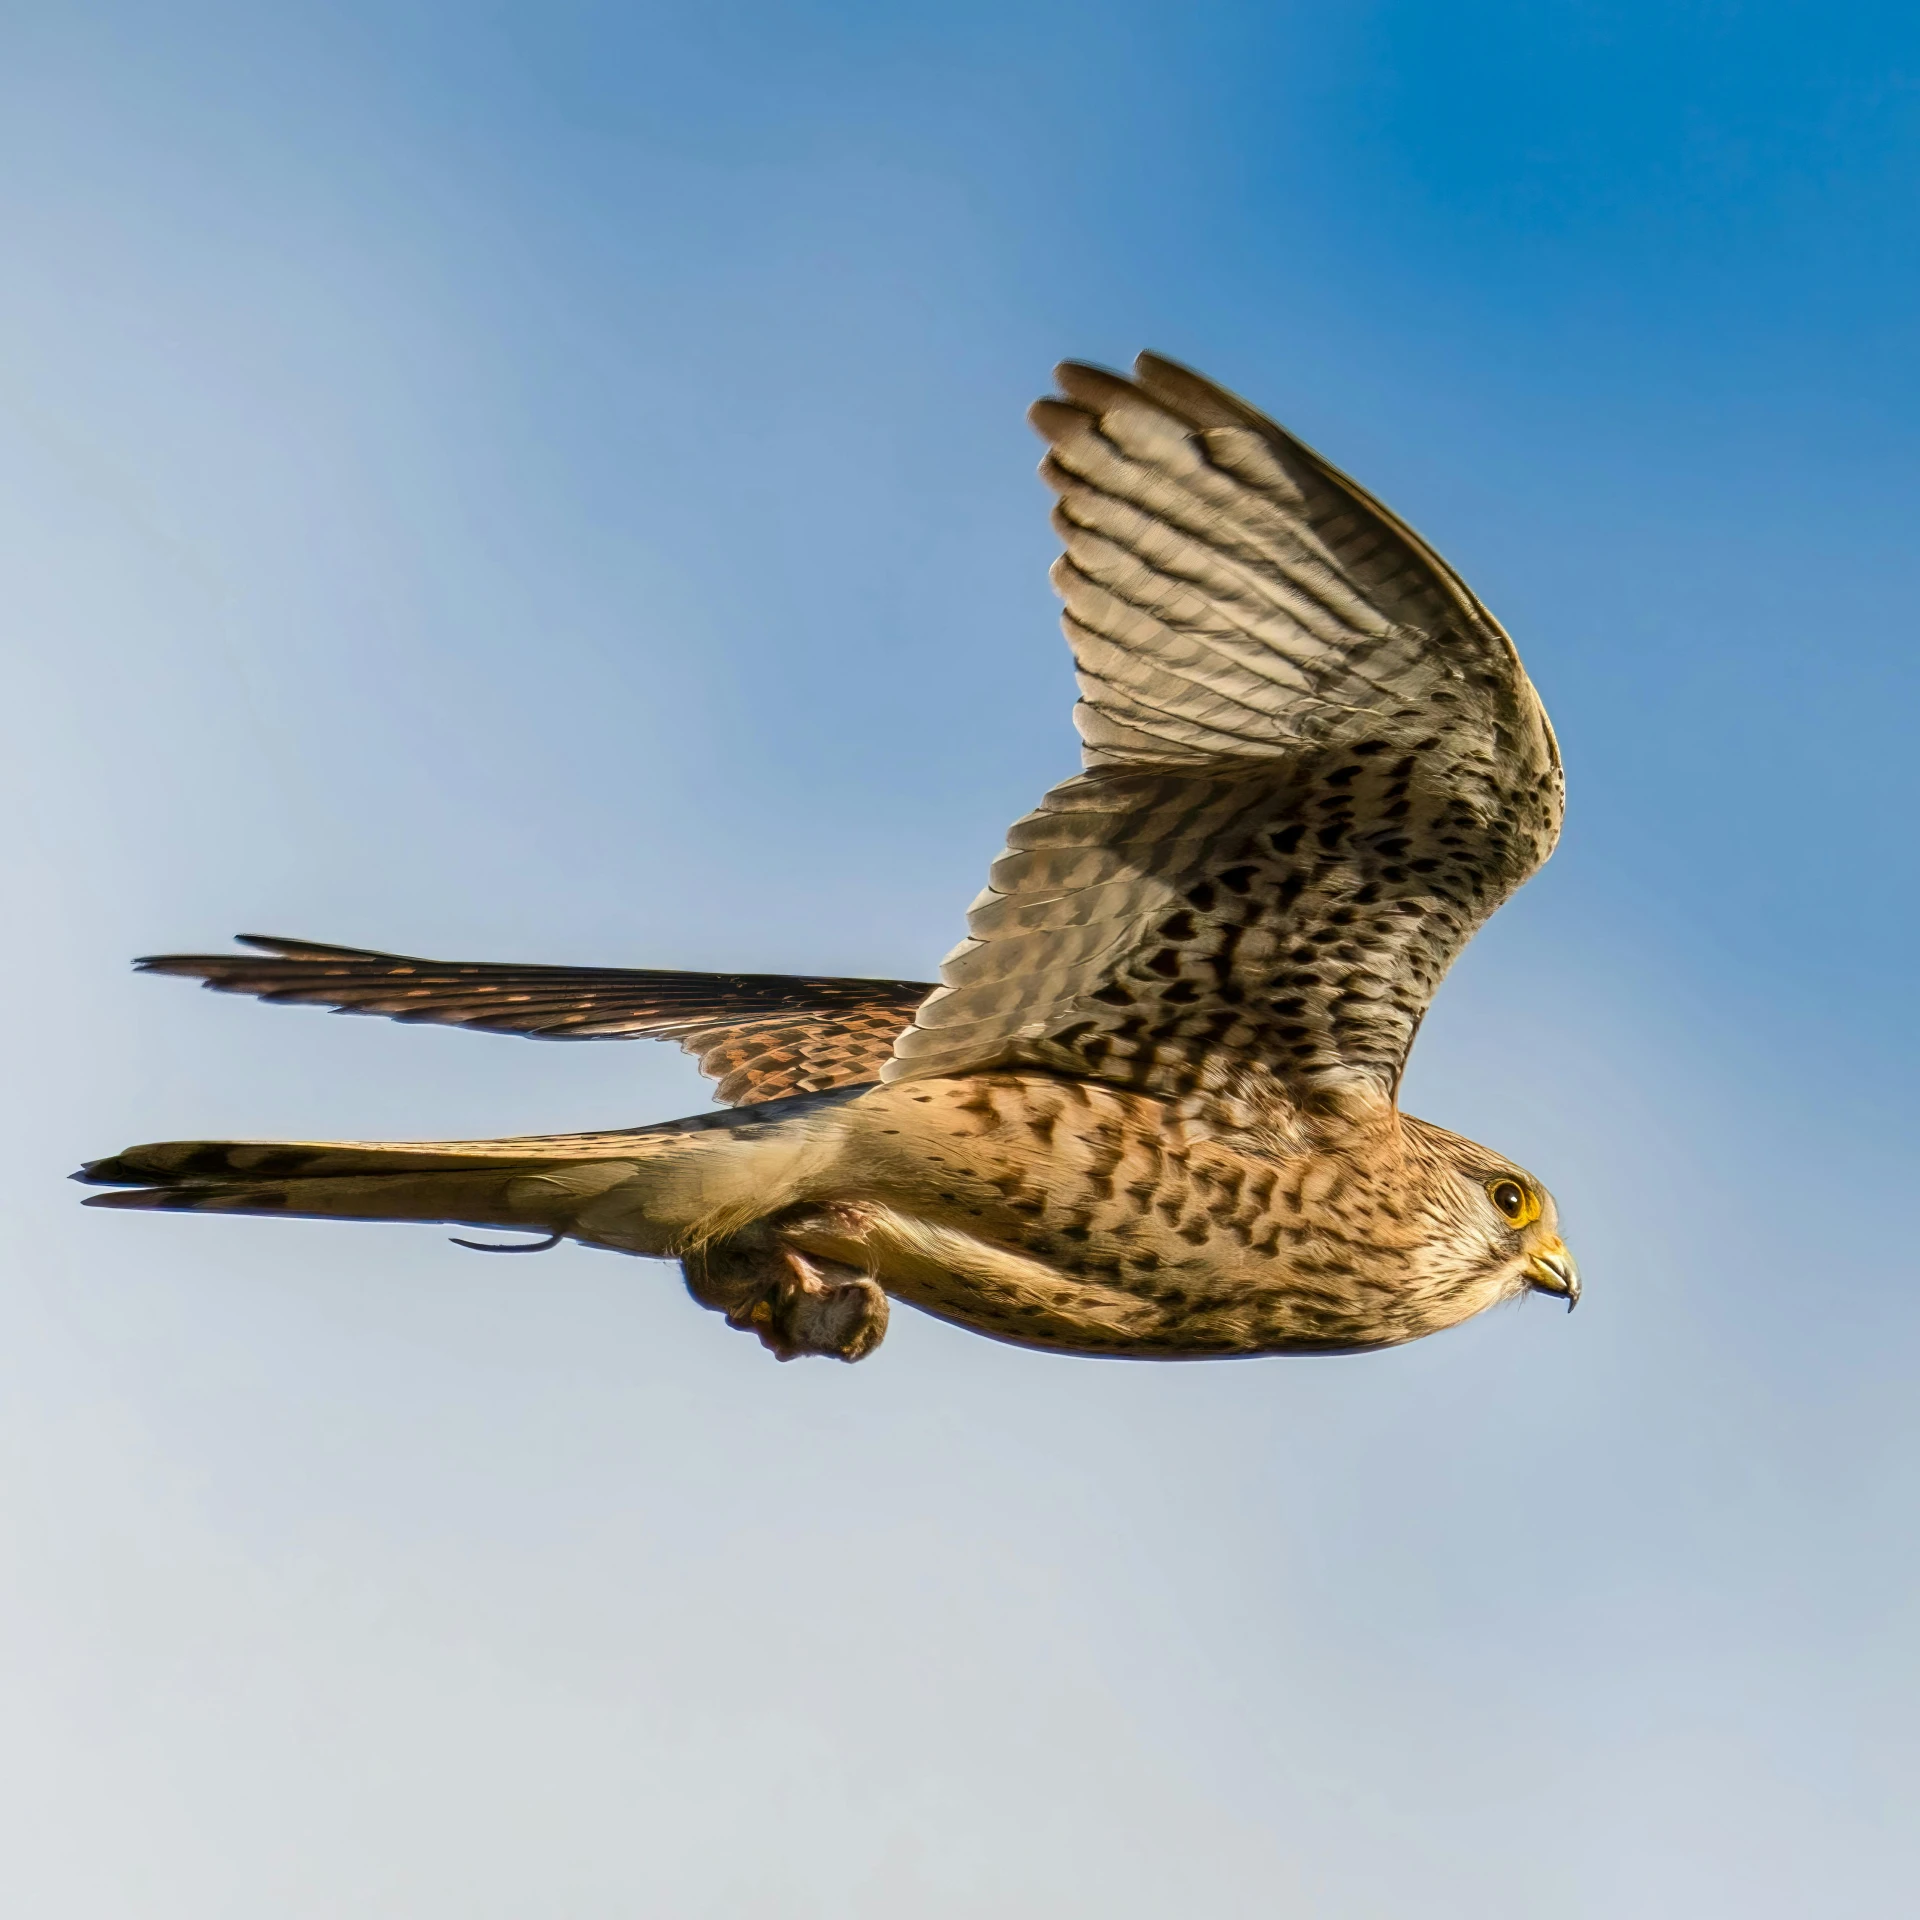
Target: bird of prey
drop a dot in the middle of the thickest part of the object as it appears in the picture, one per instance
(1151, 1108)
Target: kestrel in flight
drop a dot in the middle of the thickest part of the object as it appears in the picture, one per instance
(1151, 1108)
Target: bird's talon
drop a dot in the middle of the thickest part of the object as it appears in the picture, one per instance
(793, 1302)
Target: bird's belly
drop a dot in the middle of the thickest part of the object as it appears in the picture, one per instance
(1058, 1214)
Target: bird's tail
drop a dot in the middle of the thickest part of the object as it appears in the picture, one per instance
(654, 1190)
(470, 1182)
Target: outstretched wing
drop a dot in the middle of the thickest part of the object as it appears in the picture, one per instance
(760, 1035)
(1314, 767)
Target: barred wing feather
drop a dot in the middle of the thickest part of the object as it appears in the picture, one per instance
(761, 1035)
(1313, 766)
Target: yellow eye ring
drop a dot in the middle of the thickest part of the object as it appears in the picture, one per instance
(1517, 1205)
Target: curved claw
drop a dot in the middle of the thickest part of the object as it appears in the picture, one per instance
(502, 1246)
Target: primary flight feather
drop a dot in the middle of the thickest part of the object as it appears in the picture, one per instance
(1151, 1108)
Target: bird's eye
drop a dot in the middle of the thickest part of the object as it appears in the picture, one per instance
(1517, 1204)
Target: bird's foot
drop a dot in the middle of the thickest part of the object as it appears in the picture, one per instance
(817, 1306)
(795, 1302)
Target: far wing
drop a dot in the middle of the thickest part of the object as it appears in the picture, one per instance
(761, 1035)
(1314, 767)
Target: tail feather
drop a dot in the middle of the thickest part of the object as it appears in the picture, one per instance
(460, 1199)
(172, 1162)
(648, 1190)
(483, 1183)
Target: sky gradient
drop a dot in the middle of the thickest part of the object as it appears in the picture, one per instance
(549, 483)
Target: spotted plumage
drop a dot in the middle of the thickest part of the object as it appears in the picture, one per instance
(1151, 1107)
(760, 1035)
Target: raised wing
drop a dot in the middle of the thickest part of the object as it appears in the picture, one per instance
(1314, 767)
(760, 1035)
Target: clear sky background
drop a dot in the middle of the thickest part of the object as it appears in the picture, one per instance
(548, 482)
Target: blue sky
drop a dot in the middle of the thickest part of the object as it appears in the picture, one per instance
(549, 482)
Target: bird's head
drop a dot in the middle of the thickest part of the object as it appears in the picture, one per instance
(1519, 1228)
(1496, 1227)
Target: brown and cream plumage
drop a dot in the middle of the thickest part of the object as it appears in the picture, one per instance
(1151, 1108)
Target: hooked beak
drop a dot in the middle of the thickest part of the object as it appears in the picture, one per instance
(1551, 1270)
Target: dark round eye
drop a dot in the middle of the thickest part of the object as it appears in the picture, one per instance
(1510, 1197)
